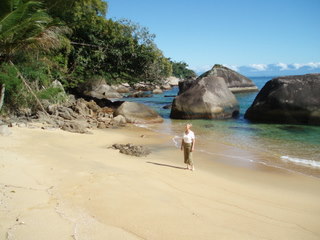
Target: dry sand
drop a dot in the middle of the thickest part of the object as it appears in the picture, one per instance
(58, 185)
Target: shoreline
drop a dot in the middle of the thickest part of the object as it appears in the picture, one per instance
(259, 157)
(77, 184)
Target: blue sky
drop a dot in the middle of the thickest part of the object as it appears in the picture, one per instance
(265, 36)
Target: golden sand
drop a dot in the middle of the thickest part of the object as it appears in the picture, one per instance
(60, 185)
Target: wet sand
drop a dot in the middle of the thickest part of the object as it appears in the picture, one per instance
(60, 185)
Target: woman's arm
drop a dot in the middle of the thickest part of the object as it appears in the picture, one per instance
(193, 143)
(182, 144)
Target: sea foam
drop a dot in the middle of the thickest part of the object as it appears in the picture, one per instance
(301, 161)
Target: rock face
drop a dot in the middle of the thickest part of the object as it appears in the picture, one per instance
(133, 150)
(138, 113)
(157, 91)
(235, 81)
(173, 81)
(288, 99)
(208, 97)
(103, 91)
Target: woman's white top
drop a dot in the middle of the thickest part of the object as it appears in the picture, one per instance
(188, 138)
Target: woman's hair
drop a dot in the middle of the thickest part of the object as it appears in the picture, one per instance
(189, 124)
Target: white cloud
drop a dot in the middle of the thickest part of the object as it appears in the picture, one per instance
(311, 65)
(233, 67)
(200, 69)
(259, 67)
(283, 66)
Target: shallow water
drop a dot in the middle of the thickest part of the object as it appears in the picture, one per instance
(293, 147)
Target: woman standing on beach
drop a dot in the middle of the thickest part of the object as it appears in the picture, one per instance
(187, 144)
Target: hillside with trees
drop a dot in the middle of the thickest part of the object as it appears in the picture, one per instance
(72, 42)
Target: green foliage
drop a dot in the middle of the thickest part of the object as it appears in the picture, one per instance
(25, 26)
(180, 70)
(72, 41)
(52, 94)
(15, 94)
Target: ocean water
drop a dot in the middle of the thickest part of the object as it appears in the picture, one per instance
(292, 147)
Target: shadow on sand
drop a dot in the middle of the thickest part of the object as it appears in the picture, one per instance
(166, 165)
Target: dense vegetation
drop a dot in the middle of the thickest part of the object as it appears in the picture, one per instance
(180, 70)
(73, 42)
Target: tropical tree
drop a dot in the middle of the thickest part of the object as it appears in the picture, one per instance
(181, 70)
(26, 28)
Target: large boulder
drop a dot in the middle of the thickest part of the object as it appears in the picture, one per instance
(138, 113)
(288, 99)
(103, 91)
(207, 97)
(173, 81)
(234, 80)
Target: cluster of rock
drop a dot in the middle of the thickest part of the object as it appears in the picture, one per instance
(133, 150)
(79, 116)
(101, 90)
(288, 99)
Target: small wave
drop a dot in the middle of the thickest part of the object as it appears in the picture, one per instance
(301, 161)
(140, 125)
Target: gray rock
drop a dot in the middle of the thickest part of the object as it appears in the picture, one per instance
(138, 113)
(121, 88)
(167, 106)
(133, 150)
(75, 127)
(235, 81)
(101, 125)
(288, 99)
(103, 91)
(166, 86)
(157, 91)
(185, 85)
(143, 87)
(57, 84)
(173, 81)
(119, 119)
(5, 131)
(207, 98)
(139, 94)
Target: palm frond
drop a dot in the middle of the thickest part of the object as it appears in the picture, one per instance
(27, 27)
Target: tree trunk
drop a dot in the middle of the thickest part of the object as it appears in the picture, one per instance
(29, 88)
(2, 90)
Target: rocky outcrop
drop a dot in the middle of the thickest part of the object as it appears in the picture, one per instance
(288, 99)
(121, 88)
(139, 94)
(185, 85)
(207, 97)
(138, 113)
(133, 150)
(78, 116)
(103, 91)
(97, 88)
(235, 81)
(157, 91)
(173, 81)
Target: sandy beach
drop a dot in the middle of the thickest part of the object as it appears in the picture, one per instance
(60, 185)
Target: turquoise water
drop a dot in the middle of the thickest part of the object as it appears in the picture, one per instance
(293, 147)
